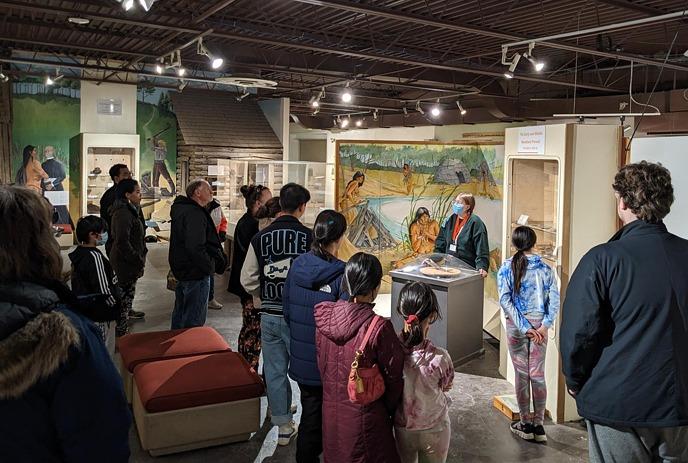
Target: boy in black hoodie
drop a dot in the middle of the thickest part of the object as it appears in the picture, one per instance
(92, 274)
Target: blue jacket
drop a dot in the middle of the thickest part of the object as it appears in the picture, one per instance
(60, 395)
(311, 280)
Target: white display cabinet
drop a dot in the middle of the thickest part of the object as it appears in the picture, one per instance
(558, 182)
(91, 156)
(227, 177)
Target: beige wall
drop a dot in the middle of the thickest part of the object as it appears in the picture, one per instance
(92, 122)
(313, 150)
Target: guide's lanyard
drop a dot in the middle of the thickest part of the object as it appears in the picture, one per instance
(458, 226)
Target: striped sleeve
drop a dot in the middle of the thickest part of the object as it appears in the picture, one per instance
(101, 275)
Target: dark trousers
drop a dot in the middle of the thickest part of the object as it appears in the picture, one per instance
(309, 440)
(637, 445)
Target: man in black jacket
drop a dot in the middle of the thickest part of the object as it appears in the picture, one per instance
(624, 333)
(195, 254)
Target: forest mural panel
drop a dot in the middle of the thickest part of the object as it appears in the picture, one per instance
(382, 185)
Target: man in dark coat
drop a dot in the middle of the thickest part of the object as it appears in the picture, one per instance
(624, 333)
(195, 254)
(55, 170)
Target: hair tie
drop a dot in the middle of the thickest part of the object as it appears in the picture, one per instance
(411, 319)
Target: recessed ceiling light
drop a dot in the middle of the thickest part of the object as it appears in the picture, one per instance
(78, 20)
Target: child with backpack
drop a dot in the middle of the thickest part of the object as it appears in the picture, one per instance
(529, 296)
(421, 425)
(92, 275)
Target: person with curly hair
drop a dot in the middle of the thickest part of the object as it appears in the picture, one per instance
(624, 332)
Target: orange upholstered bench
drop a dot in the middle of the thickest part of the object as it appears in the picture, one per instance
(138, 348)
(193, 402)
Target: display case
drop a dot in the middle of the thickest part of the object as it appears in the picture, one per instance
(558, 181)
(227, 177)
(91, 156)
(459, 291)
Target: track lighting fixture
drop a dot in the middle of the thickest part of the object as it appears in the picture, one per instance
(181, 71)
(436, 110)
(216, 61)
(241, 97)
(405, 111)
(359, 123)
(146, 4)
(537, 65)
(182, 85)
(346, 95)
(509, 74)
(375, 114)
(419, 108)
(127, 4)
(49, 80)
(3, 77)
(158, 68)
(462, 110)
(345, 122)
(316, 111)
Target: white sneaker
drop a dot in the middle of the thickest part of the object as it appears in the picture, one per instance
(286, 432)
(213, 304)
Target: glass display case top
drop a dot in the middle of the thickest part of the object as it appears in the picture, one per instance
(98, 162)
(440, 266)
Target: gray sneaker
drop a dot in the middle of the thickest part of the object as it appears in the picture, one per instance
(286, 433)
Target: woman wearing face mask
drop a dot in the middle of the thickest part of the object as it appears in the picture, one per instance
(256, 197)
(128, 252)
(464, 235)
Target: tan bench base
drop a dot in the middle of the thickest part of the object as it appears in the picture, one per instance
(193, 428)
(127, 378)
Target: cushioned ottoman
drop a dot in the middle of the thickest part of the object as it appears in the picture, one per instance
(193, 402)
(138, 348)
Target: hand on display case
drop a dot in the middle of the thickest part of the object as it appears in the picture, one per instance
(483, 273)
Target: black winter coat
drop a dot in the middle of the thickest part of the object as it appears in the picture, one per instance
(128, 233)
(246, 229)
(195, 249)
(624, 332)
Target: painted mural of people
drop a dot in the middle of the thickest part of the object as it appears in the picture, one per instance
(31, 174)
(159, 147)
(407, 179)
(423, 233)
(351, 197)
(56, 170)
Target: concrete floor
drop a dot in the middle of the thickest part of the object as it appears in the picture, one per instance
(479, 432)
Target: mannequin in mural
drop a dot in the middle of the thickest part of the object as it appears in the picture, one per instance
(55, 169)
(159, 147)
(31, 174)
(423, 232)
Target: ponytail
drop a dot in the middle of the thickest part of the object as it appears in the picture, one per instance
(362, 275)
(329, 227)
(417, 302)
(523, 239)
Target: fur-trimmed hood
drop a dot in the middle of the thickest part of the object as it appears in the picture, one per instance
(35, 340)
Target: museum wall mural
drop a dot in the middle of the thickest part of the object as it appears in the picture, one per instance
(396, 194)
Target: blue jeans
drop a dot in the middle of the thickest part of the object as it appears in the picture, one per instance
(190, 303)
(275, 342)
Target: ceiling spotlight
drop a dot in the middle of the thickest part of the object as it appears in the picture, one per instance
(436, 110)
(405, 111)
(316, 111)
(182, 85)
(375, 114)
(51, 80)
(346, 95)
(146, 4)
(315, 100)
(78, 20)
(181, 72)
(241, 97)
(538, 65)
(345, 123)
(509, 74)
(359, 123)
(419, 108)
(159, 67)
(3, 77)
(462, 110)
(215, 61)
(128, 5)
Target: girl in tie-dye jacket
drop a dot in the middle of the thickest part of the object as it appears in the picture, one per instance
(529, 296)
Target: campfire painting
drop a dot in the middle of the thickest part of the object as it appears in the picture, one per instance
(382, 185)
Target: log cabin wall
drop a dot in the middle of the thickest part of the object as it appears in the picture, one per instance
(6, 132)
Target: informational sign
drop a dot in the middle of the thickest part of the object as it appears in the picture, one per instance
(110, 106)
(216, 171)
(531, 140)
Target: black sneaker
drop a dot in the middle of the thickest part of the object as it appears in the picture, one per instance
(539, 433)
(136, 315)
(523, 430)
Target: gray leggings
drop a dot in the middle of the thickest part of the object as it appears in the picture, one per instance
(637, 445)
(429, 446)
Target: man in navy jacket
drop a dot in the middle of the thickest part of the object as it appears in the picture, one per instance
(624, 333)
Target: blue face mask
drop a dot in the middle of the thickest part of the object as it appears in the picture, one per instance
(103, 238)
(457, 208)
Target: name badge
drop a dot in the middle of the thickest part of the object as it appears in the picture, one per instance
(452, 248)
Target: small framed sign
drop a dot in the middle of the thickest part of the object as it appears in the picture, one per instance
(109, 106)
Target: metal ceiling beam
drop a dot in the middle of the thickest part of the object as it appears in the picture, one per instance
(483, 31)
(626, 5)
(320, 49)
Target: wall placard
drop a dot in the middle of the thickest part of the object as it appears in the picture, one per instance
(531, 140)
(109, 106)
